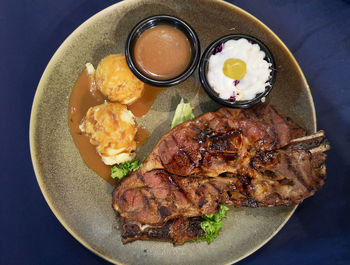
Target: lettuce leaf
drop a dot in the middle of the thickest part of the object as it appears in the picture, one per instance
(212, 224)
(183, 113)
(121, 170)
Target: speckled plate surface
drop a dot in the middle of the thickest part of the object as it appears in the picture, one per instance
(82, 201)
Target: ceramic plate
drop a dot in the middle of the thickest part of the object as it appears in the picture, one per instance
(81, 200)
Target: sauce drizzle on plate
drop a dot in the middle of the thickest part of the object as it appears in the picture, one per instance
(86, 95)
(142, 105)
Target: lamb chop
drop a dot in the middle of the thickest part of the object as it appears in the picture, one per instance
(237, 157)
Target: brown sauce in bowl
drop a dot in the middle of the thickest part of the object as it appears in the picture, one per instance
(86, 95)
(162, 52)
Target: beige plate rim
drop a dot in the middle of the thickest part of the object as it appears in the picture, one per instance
(32, 124)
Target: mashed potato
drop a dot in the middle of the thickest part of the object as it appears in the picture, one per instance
(116, 81)
(112, 128)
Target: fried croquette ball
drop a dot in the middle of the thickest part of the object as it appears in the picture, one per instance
(112, 128)
(116, 81)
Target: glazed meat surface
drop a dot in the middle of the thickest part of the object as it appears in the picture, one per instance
(252, 158)
(210, 144)
(278, 177)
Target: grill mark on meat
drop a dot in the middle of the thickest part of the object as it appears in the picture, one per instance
(174, 139)
(153, 197)
(188, 156)
(146, 201)
(140, 177)
(220, 143)
(285, 181)
(172, 180)
(195, 129)
(197, 191)
(276, 138)
(295, 172)
(270, 174)
(215, 187)
(123, 197)
(202, 202)
(183, 151)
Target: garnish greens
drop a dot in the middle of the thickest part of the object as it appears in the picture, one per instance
(212, 224)
(121, 170)
(183, 113)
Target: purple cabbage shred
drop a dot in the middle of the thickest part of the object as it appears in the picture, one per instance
(233, 97)
(218, 48)
(236, 82)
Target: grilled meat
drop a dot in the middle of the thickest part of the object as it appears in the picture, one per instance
(278, 177)
(250, 158)
(211, 143)
(178, 230)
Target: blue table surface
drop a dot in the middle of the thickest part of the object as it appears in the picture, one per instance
(318, 34)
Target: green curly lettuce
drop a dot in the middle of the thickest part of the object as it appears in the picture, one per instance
(121, 170)
(212, 224)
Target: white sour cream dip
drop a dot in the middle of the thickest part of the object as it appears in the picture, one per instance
(257, 71)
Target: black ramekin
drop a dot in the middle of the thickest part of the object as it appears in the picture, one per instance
(162, 20)
(203, 69)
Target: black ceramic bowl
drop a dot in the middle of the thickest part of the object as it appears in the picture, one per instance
(162, 20)
(203, 69)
